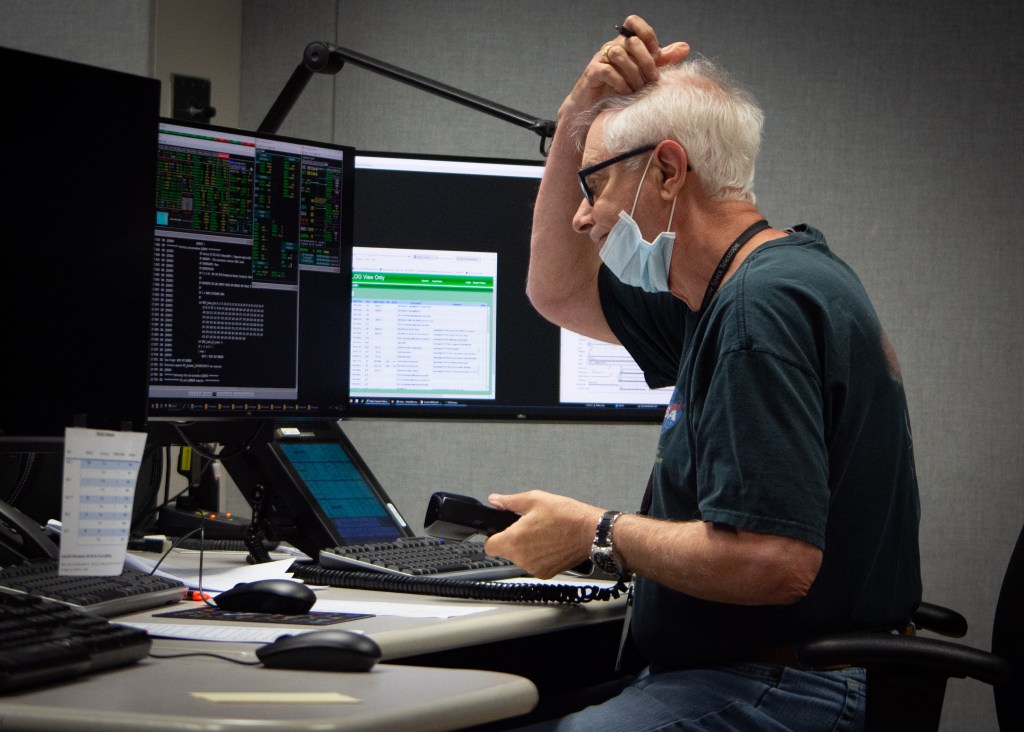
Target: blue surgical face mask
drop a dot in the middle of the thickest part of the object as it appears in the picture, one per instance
(634, 260)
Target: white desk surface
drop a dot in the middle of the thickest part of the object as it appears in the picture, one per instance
(403, 637)
(156, 694)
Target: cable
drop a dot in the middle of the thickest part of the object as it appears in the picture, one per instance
(174, 546)
(202, 536)
(239, 661)
(28, 461)
(167, 502)
(254, 535)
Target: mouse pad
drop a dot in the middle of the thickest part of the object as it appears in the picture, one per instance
(215, 613)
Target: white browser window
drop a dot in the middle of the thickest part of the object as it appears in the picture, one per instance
(595, 372)
(423, 323)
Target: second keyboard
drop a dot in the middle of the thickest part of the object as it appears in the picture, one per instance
(127, 592)
(421, 557)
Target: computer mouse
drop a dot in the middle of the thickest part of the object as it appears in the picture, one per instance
(321, 650)
(276, 596)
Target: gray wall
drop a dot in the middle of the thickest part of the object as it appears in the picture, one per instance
(115, 35)
(893, 129)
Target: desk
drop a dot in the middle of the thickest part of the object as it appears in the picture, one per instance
(156, 694)
(422, 640)
(559, 648)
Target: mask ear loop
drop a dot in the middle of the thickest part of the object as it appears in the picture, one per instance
(642, 178)
(668, 226)
(637, 197)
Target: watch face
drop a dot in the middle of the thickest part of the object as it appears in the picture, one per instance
(605, 561)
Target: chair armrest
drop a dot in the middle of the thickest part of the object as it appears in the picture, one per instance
(884, 650)
(939, 619)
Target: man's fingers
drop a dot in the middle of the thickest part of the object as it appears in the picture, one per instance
(672, 53)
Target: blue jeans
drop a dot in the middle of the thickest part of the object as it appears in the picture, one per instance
(741, 696)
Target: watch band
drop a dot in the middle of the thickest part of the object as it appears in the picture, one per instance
(602, 552)
(603, 535)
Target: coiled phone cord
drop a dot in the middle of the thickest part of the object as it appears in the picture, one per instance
(313, 573)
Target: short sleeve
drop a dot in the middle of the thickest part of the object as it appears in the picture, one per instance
(762, 462)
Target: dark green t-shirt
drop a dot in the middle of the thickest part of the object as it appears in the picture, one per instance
(788, 417)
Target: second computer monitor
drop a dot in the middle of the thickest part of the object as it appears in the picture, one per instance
(441, 325)
(252, 271)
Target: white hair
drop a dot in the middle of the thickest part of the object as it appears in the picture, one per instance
(698, 106)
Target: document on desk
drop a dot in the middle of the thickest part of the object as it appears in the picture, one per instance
(244, 633)
(401, 609)
(217, 631)
(218, 580)
(185, 567)
(101, 469)
(237, 633)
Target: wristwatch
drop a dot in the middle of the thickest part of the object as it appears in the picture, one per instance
(602, 552)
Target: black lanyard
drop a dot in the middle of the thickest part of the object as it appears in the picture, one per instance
(730, 254)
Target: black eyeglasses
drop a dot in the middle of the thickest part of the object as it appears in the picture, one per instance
(591, 169)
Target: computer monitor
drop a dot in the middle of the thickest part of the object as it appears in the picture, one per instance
(77, 174)
(441, 325)
(252, 272)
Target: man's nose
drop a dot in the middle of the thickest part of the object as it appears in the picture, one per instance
(583, 221)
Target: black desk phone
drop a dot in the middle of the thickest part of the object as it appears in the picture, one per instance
(22, 538)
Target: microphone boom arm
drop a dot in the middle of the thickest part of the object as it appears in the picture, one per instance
(324, 58)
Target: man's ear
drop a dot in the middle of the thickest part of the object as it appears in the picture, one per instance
(674, 165)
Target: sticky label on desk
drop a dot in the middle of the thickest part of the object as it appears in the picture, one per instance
(276, 697)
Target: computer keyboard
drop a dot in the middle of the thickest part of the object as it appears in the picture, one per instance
(128, 592)
(42, 641)
(421, 557)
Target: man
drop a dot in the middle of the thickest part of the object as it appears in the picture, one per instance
(784, 502)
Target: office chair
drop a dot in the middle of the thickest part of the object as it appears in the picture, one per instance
(907, 674)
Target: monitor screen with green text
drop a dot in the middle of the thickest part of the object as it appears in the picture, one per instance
(441, 324)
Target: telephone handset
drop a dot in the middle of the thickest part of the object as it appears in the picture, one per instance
(451, 516)
(456, 517)
(22, 539)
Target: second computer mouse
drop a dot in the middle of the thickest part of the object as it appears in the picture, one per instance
(276, 596)
(321, 650)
